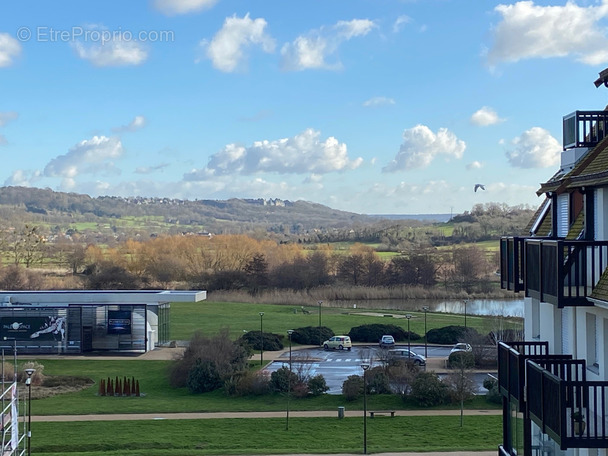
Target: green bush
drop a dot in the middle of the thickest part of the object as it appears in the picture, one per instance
(280, 380)
(317, 385)
(428, 390)
(450, 334)
(461, 360)
(373, 333)
(352, 387)
(309, 335)
(272, 342)
(203, 377)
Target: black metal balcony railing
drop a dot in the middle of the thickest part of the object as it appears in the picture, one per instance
(584, 128)
(512, 263)
(556, 271)
(555, 402)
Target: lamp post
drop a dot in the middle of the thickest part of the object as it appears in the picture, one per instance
(365, 367)
(289, 333)
(28, 382)
(261, 340)
(426, 309)
(409, 335)
(465, 313)
(320, 341)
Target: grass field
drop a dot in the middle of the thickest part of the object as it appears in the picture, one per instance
(265, 436)
(208, 316)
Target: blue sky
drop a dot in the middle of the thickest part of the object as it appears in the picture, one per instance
(369, 106)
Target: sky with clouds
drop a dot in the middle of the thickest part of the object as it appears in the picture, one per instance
(369, 106)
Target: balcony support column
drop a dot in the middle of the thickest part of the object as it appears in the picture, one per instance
(589, 214)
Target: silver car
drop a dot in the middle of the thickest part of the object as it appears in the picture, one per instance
(403, 354)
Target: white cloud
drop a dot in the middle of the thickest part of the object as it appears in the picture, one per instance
(353, 28)
(485, 116)
(175, 7)
(3, 140)
(114, 52)
(474, 165)
(303, 153)
(312, 50)
(420, 147)
(88, 156)
(6, 117)
(400, 22)
(378, 101)
(535, 148)
(137, 123)
(21, 178)
(10, 48)
(532, 31)
(226, 49)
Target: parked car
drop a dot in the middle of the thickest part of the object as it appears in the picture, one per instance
(461, 347)
(338, 342)
(387, 342)
(403, 354)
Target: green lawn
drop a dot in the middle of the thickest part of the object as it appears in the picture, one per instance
(208, 316)
(161, 397)
(265, 436)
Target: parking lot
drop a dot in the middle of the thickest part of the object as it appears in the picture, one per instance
(336, 366)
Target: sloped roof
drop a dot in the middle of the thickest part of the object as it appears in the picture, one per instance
(591, 170)
(545, 227)
(600, 291)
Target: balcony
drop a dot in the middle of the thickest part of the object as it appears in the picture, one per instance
(549, 389)
(557, 390)
(584, 128)
(560, 272)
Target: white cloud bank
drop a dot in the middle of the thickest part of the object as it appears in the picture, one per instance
(312, 50)
(175, 7)
(89, 156)
(10, 49)
(535, 148)
(485, 116)
(421, 146)
(303, 153)
(532, 31)
(226, 50)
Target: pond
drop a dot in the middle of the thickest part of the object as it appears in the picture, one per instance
(505, 307)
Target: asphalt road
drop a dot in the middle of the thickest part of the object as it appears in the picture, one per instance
(336, 366)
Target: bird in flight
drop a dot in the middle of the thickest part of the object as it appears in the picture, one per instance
(479, 186)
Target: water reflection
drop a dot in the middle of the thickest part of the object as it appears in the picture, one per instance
(505, 308)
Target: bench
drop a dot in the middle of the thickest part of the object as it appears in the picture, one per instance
(381, 412)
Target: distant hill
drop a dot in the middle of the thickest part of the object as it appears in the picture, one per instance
(232, 216)
(441, 218)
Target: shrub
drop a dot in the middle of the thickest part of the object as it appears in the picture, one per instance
(450, 334)
(373, 333)
(247, 383)
(461, 360)
(300, 390)
(203, 377)
(280, 380)
(309, 335)
(493, 395)
(428, 390)
(317, 385)
(272, 342)
(352, 387)
(378, 381)
(229, 357)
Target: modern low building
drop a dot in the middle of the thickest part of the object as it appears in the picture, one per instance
(555, 383)
(75, 322)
